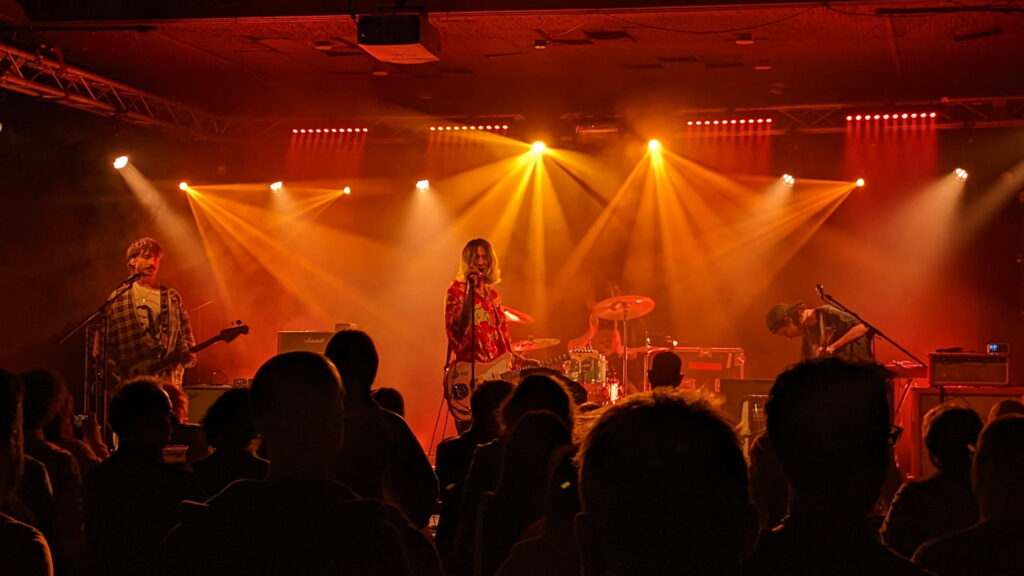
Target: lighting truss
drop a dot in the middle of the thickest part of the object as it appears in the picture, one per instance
(47, 79)
(951, 114)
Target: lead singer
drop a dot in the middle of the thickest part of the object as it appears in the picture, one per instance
(473, 314)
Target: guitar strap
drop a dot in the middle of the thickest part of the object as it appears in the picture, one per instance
(164, 321)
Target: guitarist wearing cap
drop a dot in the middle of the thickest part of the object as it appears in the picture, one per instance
(150, 332)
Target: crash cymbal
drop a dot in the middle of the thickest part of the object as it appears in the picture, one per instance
(534, 344)
(629, 306)
(647, 349)
(517, 317)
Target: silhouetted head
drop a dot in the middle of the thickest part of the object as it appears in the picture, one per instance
(297, 403)
(950, 431)
(535, 393)
(228, 422)
(665, 370)
(486, 399)
(12, 456)
(1004, 407)
(663, 489)
(140, 413)
(390, 399)
(355, 356)
(526, 458)
(828, 421)
(999, 469)
(44, 395)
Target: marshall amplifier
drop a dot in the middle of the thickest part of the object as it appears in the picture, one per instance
(302, 341)
(969, 369)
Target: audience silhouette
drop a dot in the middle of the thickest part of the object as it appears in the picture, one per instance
(990, 546)
(454, 456)
(828, 424)
(663, 490)
(519, 497)
(25, 551)
(230, 431)
(390, 399)
(381, 457)
(943, 502)
(44, 395)
(535, 393)
(298, 520)
(130, 499)
(665, 370)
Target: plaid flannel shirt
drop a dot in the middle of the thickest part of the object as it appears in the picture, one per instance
(130, 343)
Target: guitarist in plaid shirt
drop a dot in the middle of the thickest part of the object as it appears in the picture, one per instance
(149, 326)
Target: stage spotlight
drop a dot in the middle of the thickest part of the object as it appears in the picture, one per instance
(788, 179)
(183, 186)
(422, 185)
(538, 147)
(120, 162)
(860, 182)
(960, 174)
(276, 186)
(653, 145)
(346, 190)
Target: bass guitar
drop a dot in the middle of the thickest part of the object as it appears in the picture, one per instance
(154, 365)
(458, 386)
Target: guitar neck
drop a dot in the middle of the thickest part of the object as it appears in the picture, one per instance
(510, 374)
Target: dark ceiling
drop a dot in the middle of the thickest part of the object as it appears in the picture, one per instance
(300, 59)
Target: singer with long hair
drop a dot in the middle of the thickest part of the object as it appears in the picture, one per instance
(474, 317)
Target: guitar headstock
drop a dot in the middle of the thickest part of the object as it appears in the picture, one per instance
(229, 334)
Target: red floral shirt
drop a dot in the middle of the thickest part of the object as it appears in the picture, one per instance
(491, 329)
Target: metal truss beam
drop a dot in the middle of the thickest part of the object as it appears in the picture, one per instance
(52, 80)
(952, 114)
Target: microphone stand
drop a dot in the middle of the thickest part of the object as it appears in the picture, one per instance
(472, 332)
(828, 299)
(101, 378)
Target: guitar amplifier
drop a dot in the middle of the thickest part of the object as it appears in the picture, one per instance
(968, 369)
(706, 365)
(303, 341)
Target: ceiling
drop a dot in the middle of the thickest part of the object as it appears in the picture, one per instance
(298, 60)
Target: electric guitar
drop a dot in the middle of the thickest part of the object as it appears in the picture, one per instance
(154, 364)
(458, 386)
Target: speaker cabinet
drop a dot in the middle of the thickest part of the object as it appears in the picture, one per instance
(921, 400)
(304, 341)
(736, 391)
(744, 401)
(200, 398)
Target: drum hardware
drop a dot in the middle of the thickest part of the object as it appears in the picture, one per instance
(531, 344)
(515, 316)
(624, 308)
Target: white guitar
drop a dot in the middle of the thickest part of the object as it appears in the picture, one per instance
(458, 386)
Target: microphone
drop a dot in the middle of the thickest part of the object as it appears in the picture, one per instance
(131, 279)
(820, 289)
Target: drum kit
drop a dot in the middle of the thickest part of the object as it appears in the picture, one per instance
(586, 365)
